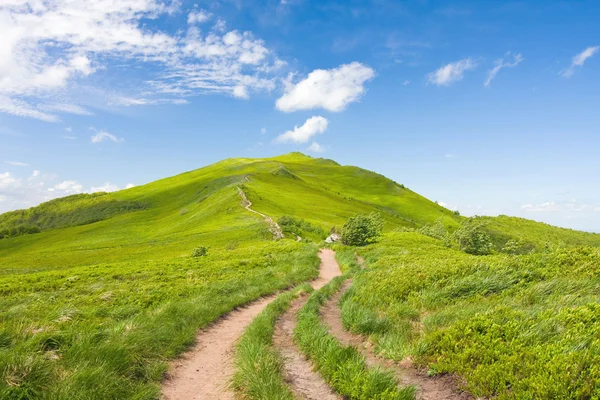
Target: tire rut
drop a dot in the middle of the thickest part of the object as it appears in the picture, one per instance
(204, 372)
(440, 388)
(298, 371)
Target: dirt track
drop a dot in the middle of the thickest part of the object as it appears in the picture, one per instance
(204, 372)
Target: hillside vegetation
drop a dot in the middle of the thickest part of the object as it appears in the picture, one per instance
(98, 292)
(509, 327)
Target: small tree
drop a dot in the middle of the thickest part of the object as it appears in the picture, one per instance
(473, 239)
(362, 229)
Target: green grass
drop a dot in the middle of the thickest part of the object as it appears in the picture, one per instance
(535, 235)
(512, 327)
(94, 304)
(106, 331)
(258, 365)
(344, 368)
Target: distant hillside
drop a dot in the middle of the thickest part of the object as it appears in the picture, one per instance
(535, 235)
(167, 217)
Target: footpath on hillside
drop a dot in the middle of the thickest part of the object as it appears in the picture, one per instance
(204, 372)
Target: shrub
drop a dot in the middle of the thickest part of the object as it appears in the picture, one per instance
(200, 251)
(472, 239)
(362, 229)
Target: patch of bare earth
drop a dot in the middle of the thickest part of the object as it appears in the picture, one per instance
(298, 370)
(428, 388)
(206, 370)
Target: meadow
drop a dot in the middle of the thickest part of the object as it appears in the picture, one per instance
(505, 326)
(99, 292)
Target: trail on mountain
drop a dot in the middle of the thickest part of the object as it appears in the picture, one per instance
(273, 226)
(204, 372)
(428, 388)
(298, 370)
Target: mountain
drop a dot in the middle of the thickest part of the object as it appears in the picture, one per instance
(98, 291)
(168, 217)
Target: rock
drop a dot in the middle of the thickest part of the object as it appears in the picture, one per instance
(334, 237)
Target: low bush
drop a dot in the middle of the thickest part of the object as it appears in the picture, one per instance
(362, 229)
(200, 251)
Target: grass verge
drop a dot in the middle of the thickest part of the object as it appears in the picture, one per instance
(258, 365)
(344, 368)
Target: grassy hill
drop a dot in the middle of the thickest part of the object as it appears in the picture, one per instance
(98, 291)
(167, 218)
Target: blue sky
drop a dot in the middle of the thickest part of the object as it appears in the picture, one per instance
(487, 107)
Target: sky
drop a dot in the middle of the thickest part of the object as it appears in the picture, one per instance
(487, 107)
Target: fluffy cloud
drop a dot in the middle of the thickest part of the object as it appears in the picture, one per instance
(579, 60)
(198, 17)
(107, 187)
(47, 47)
(331, 89)
(313, 126)
(503, 63)
(451, 72)
(16, 193)
(316, 148)
(67, 187)
(102, 135)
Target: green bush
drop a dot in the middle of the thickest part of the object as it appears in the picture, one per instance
(296, 226)
(472, 239)
(362, 229)
(200, 251)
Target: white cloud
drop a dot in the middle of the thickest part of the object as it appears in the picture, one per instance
(65, 108)
(69, 129)
(451, 72)
(579, 60)
(448, 206)
(107, 187)
(7, 180)
(101, 135)
(552, 206)
(316, 148)
(263, 131)
(48, 47)
(449, 155)
(21, 108)
(501, 63)
(16, 193)
(313, 126)
(198, 17)
(240, 92)
(17, 163)
(331, 89)
(129, 186)
(406, 82)
(67, 188)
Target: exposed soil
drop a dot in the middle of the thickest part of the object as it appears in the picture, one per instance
(205, 371)
(298, 371)
(428, 388)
